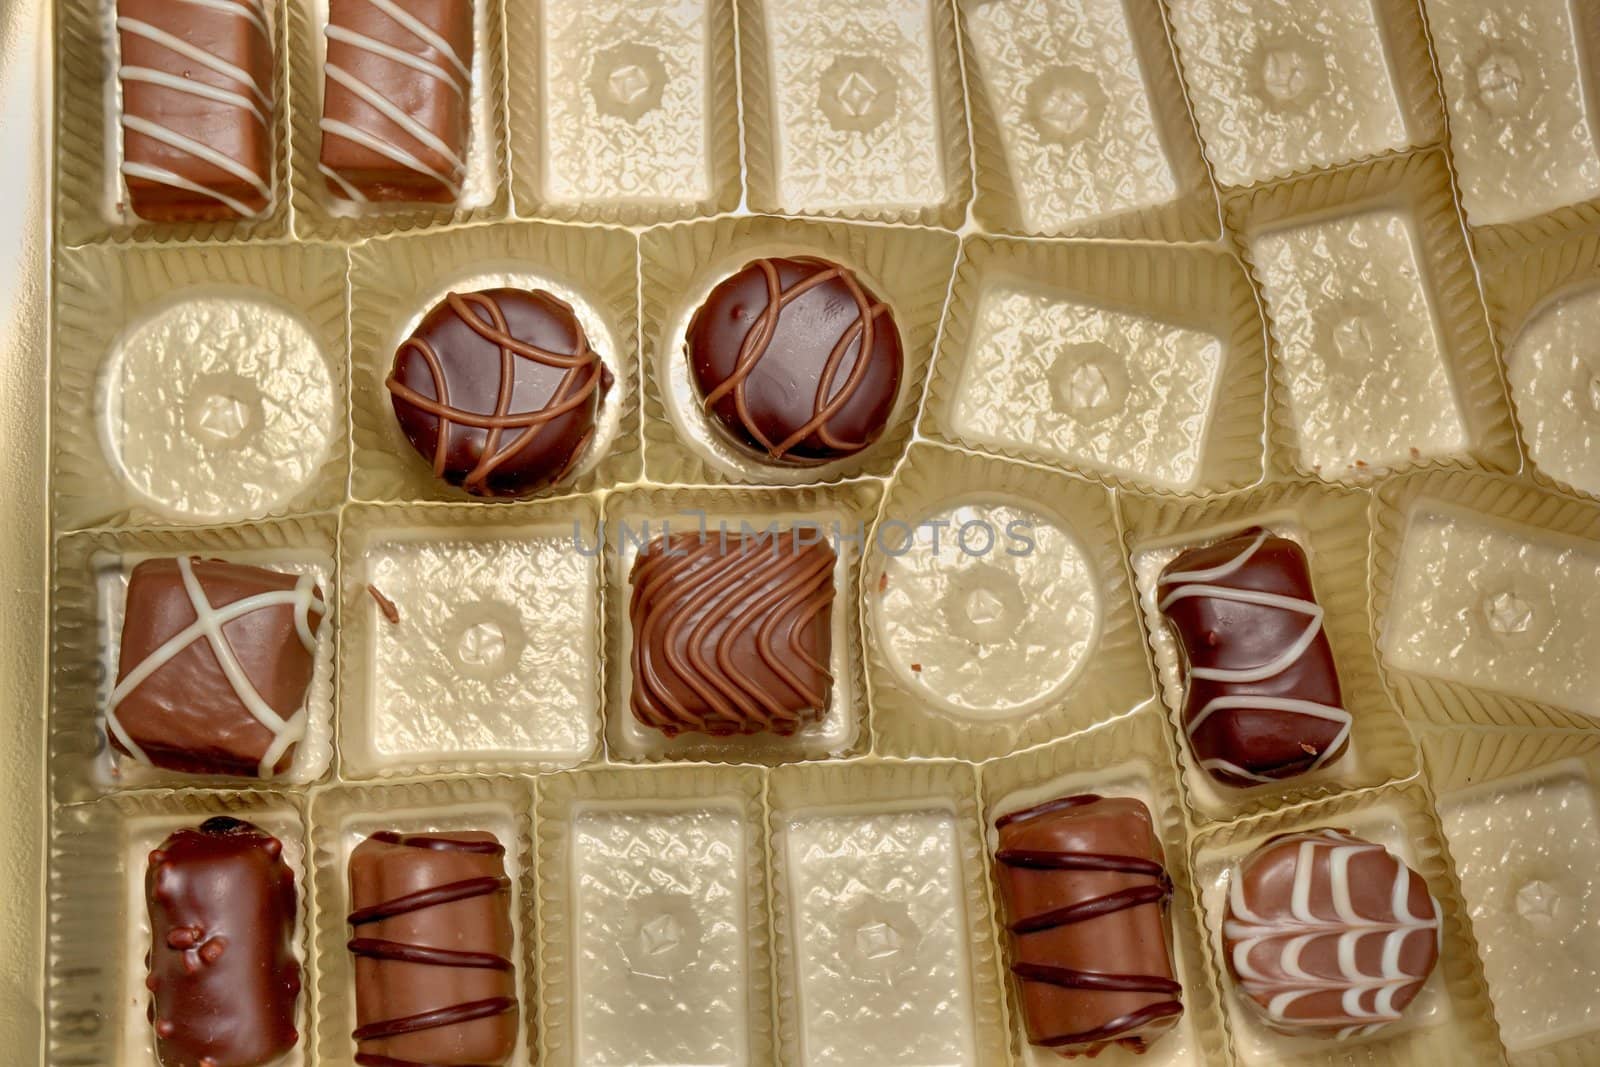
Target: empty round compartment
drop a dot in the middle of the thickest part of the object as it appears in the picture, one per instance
(985, 607)
(217, 408)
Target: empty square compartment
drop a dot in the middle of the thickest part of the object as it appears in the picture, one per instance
(1141, 366)
(632, 115)
(1488, 600)
(1079, 123)
(1281, 87)
(854, 110)
(885, 953)
(655, 938)
(1383, 354)
(492, 661)
(1520, 84)
(1519, 808)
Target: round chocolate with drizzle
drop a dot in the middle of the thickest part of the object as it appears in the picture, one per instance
(1328, 934)
(796, 360)
(499, 390)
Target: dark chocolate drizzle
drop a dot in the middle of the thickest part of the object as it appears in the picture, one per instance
(1131, 897)
(427, 898)
(1067, 978)
(378, 948)
(429, 1020)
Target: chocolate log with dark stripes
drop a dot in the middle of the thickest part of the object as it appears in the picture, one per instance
(431, 923)
(1085, 894)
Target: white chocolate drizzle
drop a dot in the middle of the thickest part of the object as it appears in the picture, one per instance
(1202, 583)
(208, 625)
(249, 96)
(456, 75)
(1366, 1000)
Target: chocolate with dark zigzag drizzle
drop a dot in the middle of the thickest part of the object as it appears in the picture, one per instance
(499, 390)
(796, 360)
(435, 983)
(1082, 883)
(731, 634)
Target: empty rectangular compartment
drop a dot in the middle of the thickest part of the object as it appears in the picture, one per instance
(885, 953)
(1519, 809)
(655, 939)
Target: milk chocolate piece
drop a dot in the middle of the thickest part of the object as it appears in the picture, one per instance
(731, 633)
(1262, 700)
(1329, 935)
(396, 99)
(1085, 894)
(197, 108)
(499, 390)
(435, 983)
(223, 976)
(796, 360)
(229, 704)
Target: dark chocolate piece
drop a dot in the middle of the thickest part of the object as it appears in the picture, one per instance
(1329, 935)
(796, 360)
(731, 633)
(396, 99)
(1261, 700)
(385, 605)
(1083, 887)
(223, 975)
(197, 108)
(499, 390)
(189, 701)
(431, 919)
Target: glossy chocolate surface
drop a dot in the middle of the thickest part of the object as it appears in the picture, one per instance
(731, 634)
(396, 99)
(223, 977)
(431, 934)
(1261, 693)
(197, 108)
(796, 360)
(188, 702)
(1328, 934)
(499, 390)
(1084, 895)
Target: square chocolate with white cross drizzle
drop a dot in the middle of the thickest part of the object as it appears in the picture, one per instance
(215, 663)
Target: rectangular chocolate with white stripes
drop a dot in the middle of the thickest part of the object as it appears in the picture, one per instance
(396, 99)
(197, 108)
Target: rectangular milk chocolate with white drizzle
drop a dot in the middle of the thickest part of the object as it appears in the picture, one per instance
(396, 99)
(431, 936)
(1084, 894)
(197, 108)
(1261, 694)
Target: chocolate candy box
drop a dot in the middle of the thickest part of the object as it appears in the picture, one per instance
(1227, 410)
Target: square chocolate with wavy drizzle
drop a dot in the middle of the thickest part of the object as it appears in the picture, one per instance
(731, 633)
(216, 660)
